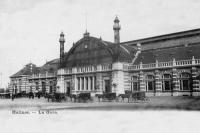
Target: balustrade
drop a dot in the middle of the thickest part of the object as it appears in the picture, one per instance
(162, 64)
(165, 64)
(183, 62)
(197, 61)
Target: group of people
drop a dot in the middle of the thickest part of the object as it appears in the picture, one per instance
(30, 95)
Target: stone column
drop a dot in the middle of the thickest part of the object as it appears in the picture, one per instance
(175, 82)
(142, 82)
(84, 83)
(93, 82)
(89, 83)
(78, 83)
(75, 83)
(158, 84)
(81, 84)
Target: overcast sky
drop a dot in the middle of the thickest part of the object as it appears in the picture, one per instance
(29, 29)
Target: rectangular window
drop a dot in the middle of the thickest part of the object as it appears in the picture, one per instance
(185, 85)
(166, 85)
(135, 86)
(43, 87)
(150, 86)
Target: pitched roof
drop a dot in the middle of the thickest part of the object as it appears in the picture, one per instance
(183, 52)
(164, 37)
(28, 69)
(50, 66)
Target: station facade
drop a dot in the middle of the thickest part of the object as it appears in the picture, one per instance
(167, 65)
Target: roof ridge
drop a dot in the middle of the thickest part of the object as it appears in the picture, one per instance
(168, 36)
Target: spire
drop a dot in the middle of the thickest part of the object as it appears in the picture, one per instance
(116, 28)
(62, 37)
(86, 34)
(116, 20)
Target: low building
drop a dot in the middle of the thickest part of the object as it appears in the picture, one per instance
(33, 78)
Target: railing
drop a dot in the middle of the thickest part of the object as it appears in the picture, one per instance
(106, 67)
(165, 64)
(85, 69)
(47, 75)
(197, 61)
(173, 63)
(183, 62)
(152, 65)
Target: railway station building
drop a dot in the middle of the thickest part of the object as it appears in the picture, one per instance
(166, 65)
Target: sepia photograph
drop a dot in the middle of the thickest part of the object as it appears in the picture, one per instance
(97, 66)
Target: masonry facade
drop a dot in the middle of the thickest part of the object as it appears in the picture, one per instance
(167, 65)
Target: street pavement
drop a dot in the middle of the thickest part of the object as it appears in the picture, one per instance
(155, 103)
(100, 117)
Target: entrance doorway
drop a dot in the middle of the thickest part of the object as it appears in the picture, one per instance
(107, 86)
(43, 87)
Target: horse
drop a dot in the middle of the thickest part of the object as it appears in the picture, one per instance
(73, 96)
(31, 95)
(99, 96)
(123, 96)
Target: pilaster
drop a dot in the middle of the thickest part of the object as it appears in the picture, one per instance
(195, 83)
(142, 82)
(175, 82)
(158, 82)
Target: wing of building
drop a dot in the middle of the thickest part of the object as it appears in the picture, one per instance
(167, 65)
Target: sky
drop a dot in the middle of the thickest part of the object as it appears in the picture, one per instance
(29, 29)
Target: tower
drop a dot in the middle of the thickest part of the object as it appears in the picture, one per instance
(116, 28)
(62, 41)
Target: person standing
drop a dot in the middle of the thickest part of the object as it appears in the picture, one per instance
(12, 96)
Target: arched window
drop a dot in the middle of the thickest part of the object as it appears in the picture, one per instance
(150, 83)
(166, 82)
(135, 83)
(185, 82)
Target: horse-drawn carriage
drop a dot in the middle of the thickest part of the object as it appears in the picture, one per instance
(106, 96)
(56, 97)
(81, 97)
(4, 95)
(134, 96)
